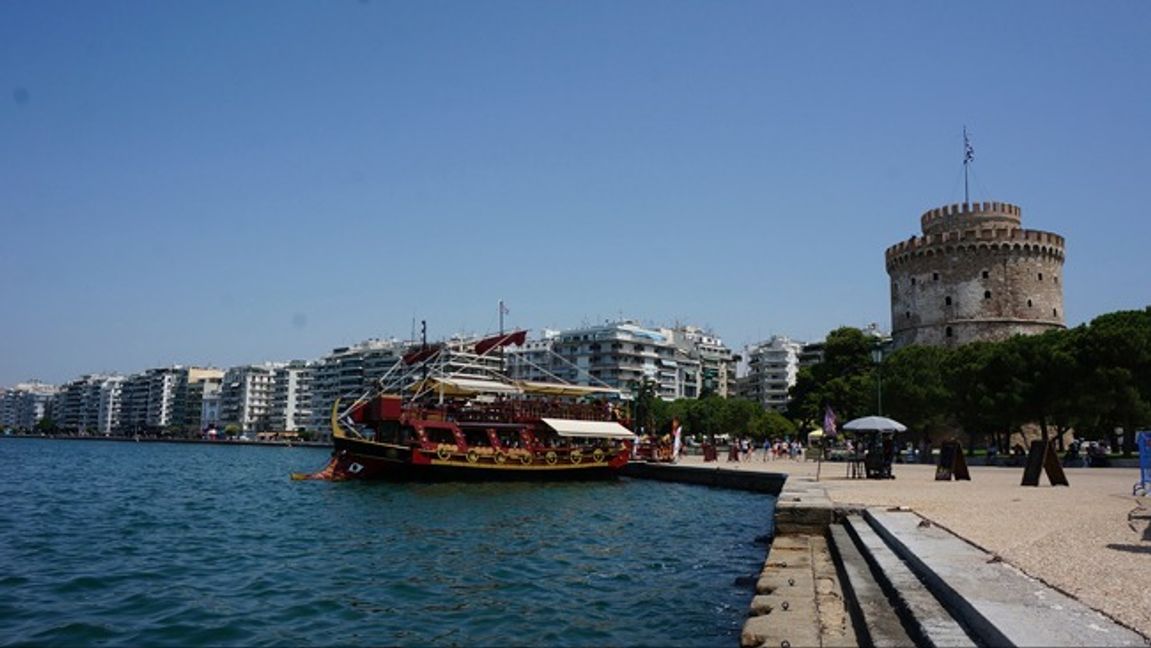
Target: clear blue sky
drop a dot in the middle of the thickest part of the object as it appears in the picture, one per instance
(228, 182)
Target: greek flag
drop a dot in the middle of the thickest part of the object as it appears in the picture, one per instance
(968, 150)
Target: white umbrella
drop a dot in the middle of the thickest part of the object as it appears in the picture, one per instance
(874, 424)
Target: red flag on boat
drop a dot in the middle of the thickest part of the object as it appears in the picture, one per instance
(487, 344)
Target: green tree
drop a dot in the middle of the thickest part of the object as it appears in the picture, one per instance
(1114, 354)
(845, 379)
(46, 425)
(914, 392)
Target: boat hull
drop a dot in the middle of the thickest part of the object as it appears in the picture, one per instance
(359, 459)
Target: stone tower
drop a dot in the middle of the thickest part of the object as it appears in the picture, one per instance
(974, 274)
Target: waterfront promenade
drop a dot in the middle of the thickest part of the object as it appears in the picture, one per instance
(1078, 539)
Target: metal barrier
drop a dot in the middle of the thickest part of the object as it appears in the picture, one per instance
(1143, 438)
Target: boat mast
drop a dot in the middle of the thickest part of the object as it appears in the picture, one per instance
(500, 351)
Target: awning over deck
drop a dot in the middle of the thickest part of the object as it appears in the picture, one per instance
(460, 386)
(596, 429)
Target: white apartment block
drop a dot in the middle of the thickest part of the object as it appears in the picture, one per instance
(80, 405)
(246, 396)
(772, 369)
(620, 355)
(348, 372)
(534, 360)
(108, 415)
(292, 397)
(22, 406)
(163, 399)
(707, 364)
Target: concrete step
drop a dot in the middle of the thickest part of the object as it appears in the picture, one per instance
(922, 616)
(1000, 605)
(876, 621)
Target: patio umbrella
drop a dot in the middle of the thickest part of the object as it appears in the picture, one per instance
(875, 424)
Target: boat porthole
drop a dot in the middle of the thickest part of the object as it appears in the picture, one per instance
(473, 456)
(501, 457)
(576, 457)
(355, 468)
(525, 459)
(551, 457)
(598, 455)
(443, 452)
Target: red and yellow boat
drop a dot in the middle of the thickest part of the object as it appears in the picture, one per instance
(444, 414)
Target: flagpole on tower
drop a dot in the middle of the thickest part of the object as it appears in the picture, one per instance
(968, 156)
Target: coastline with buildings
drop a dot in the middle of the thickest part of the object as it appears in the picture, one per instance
(684, 362)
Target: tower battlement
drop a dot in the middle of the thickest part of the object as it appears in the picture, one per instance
(967, 215)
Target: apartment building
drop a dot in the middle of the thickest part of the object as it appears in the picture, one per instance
(620, 355)
(80, 406)
(292, 397)
(23, 405)
(706, 364)
(534, 360)
(165, 399)
(109, 412)
(348, 372)
(772, 367)
(246, 396)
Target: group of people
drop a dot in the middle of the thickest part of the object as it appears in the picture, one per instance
(744, 450)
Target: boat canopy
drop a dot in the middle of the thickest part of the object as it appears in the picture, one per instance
(460, 386)
(597, 429)
(560, 389)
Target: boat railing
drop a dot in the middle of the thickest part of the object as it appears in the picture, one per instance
(531, 410)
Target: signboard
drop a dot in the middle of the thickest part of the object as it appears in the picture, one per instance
(952, 464)
(1042, 457)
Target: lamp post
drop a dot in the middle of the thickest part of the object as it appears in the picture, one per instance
(877, 357)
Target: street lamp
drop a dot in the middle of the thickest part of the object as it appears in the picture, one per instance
(877, 358)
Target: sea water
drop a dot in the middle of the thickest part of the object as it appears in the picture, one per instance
(112, 543)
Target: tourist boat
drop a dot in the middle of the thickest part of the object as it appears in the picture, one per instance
(449, 412)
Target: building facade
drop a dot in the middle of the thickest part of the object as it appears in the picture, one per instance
(292, 397)
(348, 371)
(148, 400)
(704, 359)
(620, 355)
(974, 274)
(25, 404)
(772, 368)
(246, 397)
(84, 405)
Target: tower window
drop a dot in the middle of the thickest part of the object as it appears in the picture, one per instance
(986, 274)
(1055, 279)
(1054, 313)
(913, 281)
(1029, 303)
(1040, 276)
(947, 301)
(908, 314)
(947, 332)
(987, 294)
(935, 276)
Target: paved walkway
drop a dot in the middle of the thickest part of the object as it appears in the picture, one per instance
(1079, 539)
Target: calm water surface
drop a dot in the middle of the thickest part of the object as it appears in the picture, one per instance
(107, 543)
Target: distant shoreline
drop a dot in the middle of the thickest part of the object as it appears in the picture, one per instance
(266, 444)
